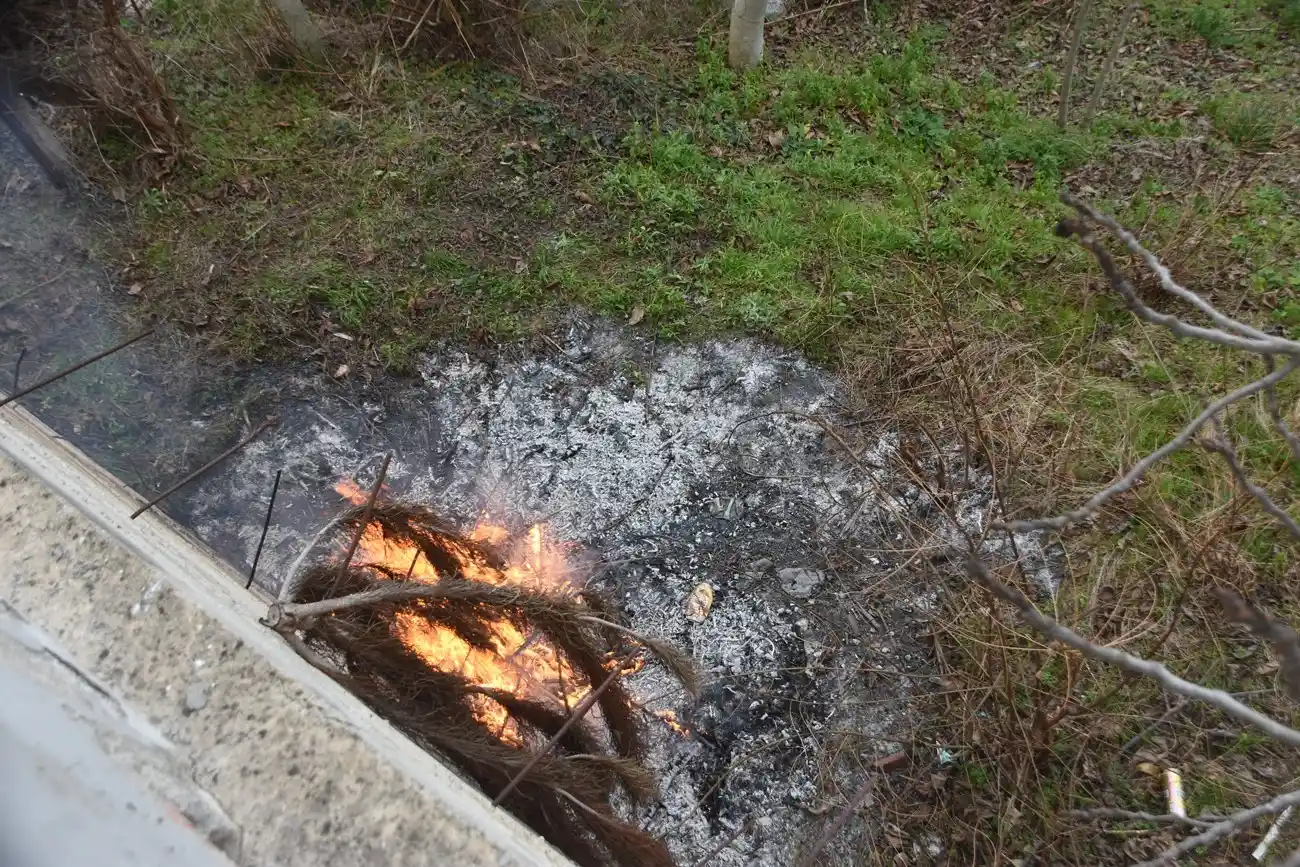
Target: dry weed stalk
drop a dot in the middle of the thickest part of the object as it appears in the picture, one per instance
(1228, 332)
(78, 54)
(560, 773)
(124, 84)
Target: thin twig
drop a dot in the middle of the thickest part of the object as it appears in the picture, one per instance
(1167, 282)
(1222, 446)
(1234, 824)
(74, 368)
(290, 584)
(859, 798)
(1246, 338)
(283, 615)
(410, 37)
(722, 846)
(1275, 413)
(1094, 814)
(266, 525)
(1135, 664)
(203, 469)
(1111, 56)
(1137, 739)
(578, 713)
(365, 517)
(18, 366)
(1138, 470)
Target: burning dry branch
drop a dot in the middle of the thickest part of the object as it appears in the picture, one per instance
(1223, 331)
(493, 666)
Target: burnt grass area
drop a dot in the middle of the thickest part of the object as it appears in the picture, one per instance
(879, 197)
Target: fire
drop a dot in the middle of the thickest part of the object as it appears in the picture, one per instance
(669, 719)
(527, 666)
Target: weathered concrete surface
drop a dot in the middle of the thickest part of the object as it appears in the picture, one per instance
(77, 772)
(301, 785)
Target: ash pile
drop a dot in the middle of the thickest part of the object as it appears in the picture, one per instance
(725, 500)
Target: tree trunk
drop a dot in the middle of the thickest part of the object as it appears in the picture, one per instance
(745, 46)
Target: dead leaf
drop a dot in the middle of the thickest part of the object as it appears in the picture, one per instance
(136, 289)
(341, 336)
(638, 313)
(520, 266)
(467, 235)
(341, 371)
(244, 184)
(776, 138)
(1017, 306)
(894, 762)
(367, 256)
(1149, 769)
(119, 193)
(699, 602)
(582, 197)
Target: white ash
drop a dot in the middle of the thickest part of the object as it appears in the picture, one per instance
(674, 466)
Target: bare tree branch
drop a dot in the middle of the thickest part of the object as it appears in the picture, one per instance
(1234, 824)
(1167, 281)
(1252, 341)
(1139, 469)
(1222, 446)
(1127, 661)
(1275, 413)
(1094, 814)
(290, 614)
(1285, 642)
(1283, 639)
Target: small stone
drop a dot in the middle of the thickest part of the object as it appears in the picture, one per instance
(196, 698)
(800, 583)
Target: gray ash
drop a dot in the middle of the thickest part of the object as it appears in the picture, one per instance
(670, 466)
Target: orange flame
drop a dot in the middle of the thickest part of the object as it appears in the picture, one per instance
(669, 719)
(527, 666)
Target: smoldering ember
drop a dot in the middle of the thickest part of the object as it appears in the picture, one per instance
(699, 489)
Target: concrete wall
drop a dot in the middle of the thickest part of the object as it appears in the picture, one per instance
(263, 754)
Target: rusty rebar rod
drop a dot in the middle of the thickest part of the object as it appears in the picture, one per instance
(74, 368)
(365, 517)
(578, 713)
(203, 469)
(266, 525)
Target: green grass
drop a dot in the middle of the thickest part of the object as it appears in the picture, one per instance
(826, 201)
(1252, 121)
(850, 204)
